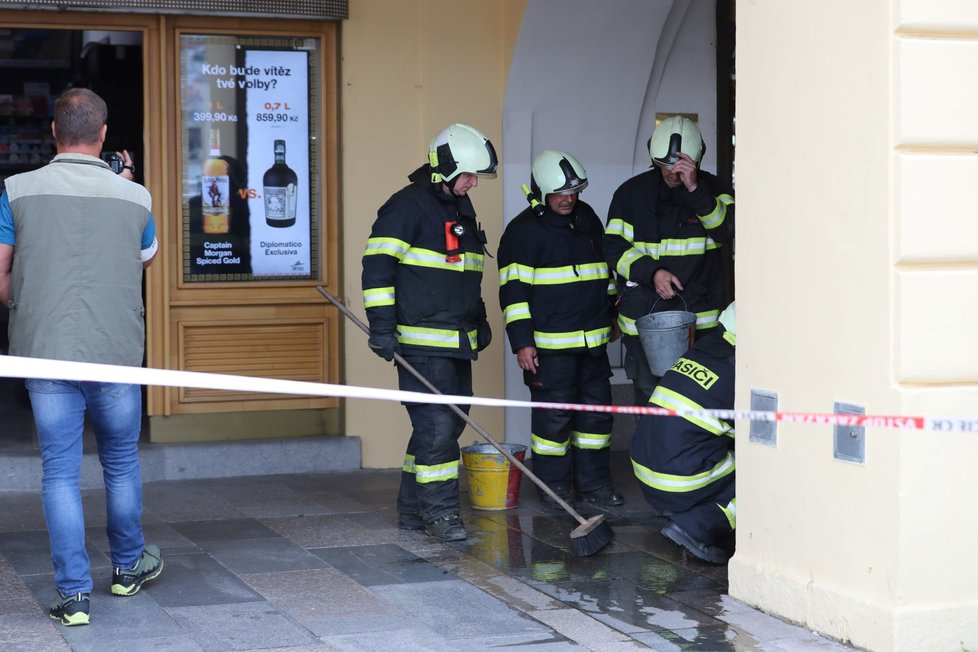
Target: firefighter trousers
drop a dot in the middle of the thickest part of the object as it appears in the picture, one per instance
(429, 478)
(571, 447)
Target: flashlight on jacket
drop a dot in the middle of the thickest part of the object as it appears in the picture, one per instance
(453, 231)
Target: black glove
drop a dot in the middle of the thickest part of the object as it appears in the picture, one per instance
(383, 344)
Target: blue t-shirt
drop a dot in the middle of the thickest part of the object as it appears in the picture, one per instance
(7, 234)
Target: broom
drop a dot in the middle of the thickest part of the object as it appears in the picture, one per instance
(590, 536)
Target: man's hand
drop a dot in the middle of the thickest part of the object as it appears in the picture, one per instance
(383, 344)
(666, 283)
(526, 358)
(685, 169)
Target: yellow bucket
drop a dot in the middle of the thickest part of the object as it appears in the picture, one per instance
(494, 483)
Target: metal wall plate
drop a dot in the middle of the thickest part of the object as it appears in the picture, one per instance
(849, 441)
(764, 432)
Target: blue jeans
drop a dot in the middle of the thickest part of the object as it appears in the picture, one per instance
(115, 411)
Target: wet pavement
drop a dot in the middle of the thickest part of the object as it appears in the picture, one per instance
(316, 562)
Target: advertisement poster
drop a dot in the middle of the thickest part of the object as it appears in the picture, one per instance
(247, 165)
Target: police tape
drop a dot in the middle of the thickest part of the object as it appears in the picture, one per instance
(38, 368)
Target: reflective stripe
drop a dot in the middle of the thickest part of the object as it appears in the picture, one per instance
(624, 265)
(408, 464)
(516, 272)
(378, 297)
(683, 483)
(553, 275)
(428, 336)
(473, 336)
(572, 339)
(590, 440)
(541, 446)
(467, 262)
(516, 312)
(718, 214)
(621, 228)
(627, 325)
(730, 338)
(730, 511)
(612, 288)
(672, 400)
(686, 246)
(707, 319)
(437, 472)
(390, 246)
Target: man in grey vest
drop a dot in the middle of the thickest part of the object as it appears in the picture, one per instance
(74, 240)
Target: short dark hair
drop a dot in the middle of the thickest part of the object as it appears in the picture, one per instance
(79, 114)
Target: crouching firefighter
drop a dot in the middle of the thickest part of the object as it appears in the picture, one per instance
(685, 465)
(422, 279)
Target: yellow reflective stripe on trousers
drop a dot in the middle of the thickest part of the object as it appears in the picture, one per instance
(541, 446)
(516, 312)
(672, 400)
(719, 213)
(390, 246)
(419, 336)
(436, 472)
(572, 339)
(730, 511)
(683, 483)
(408, 464)
(467, 261)
(590, 440)
(378, 297)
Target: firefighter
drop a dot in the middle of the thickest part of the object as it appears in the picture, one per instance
(685, 465)
(557, 298)
(665, 229)
(422, 279)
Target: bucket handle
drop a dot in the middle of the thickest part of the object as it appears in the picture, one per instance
(658, 299)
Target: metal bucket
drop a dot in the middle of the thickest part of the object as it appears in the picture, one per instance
(665, 336)
(494, 483)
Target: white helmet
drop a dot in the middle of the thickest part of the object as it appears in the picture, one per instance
(556, 172)
(460, 148)
(674, 135)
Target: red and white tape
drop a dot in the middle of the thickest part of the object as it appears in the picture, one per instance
(20, 367)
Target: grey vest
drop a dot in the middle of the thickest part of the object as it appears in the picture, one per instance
(76, 283)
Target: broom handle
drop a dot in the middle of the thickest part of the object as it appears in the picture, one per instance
(461, 414)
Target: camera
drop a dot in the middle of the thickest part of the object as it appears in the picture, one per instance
(114, 160)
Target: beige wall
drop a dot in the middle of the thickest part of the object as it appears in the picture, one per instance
(857, 268)
(408, 69)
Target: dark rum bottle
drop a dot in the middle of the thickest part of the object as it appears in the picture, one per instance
(280, 183)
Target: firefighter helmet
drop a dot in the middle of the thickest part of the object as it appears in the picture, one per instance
(672, 136)
(461, 148)
(556, 172)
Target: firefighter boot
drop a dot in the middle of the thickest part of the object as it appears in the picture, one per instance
(447, 528)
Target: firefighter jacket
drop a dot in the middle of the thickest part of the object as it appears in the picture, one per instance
(682, 460)
(652, 226)
(422, 272)
(554, 284)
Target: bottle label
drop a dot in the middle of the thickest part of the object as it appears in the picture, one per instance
(280, 203)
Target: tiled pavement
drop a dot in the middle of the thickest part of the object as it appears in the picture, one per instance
(316, 562)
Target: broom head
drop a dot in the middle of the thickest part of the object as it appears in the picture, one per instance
(591, 536)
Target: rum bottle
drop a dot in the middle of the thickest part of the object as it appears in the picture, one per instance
(215, 189)
(280, 183)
